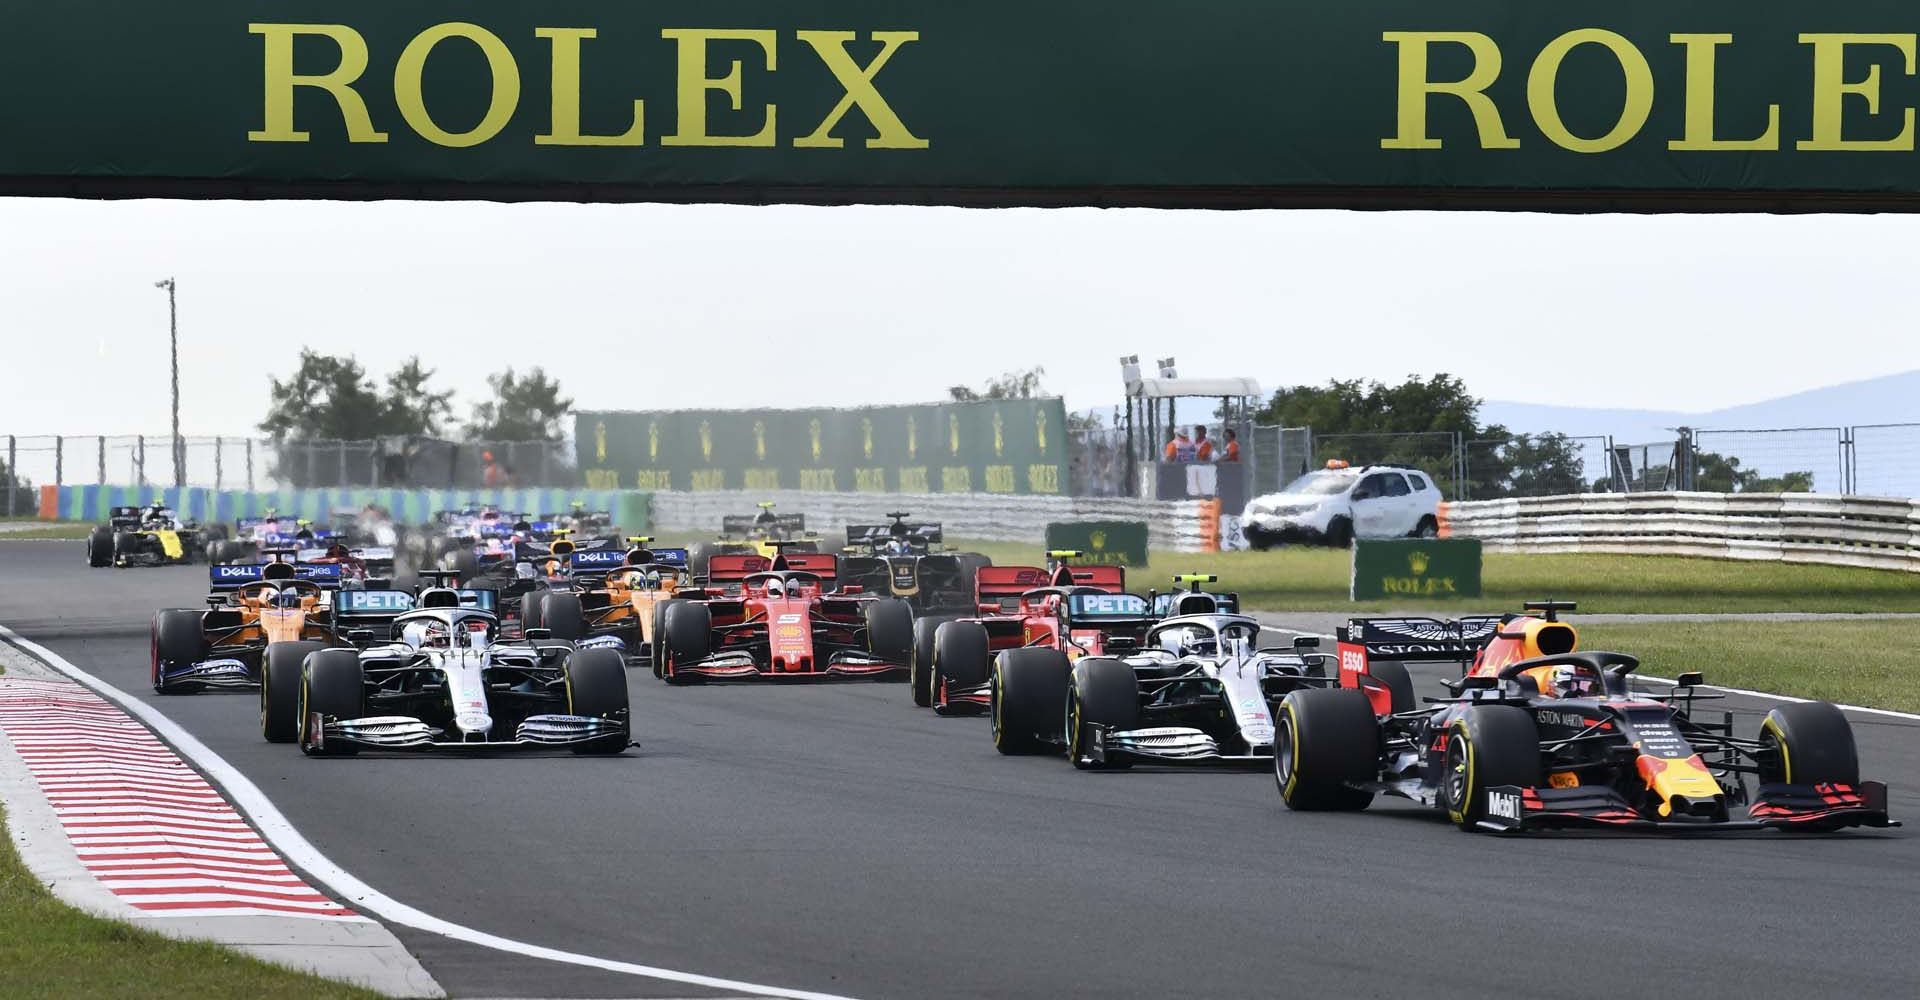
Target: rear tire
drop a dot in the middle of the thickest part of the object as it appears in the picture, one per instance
(1398, 681)
(125, 545)
(597, 687)
(1029, 699)
(100, 547)
(962, 658)
(657, 646)
(1323, 740)
(1105, 693)
(560, 614)
(332, 682)
(688, 631)
(280, 689)
(1489, 745)
(178, 637)
(889, 631)
(530, 610)
(920, 667)
(1812, 744)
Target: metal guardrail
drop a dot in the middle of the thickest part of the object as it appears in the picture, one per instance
(1875, 532)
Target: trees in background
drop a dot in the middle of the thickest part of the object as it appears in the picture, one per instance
(333, 398)
(523, 408)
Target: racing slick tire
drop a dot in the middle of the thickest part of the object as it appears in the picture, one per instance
(100, 547)
(1324, 741)
(332, 682)
(1340, 533)
(280, 689)
(656, 648)
(126, 544)
(698, 556)
(1029, 688)
(1399, 683)
(531, 611)
(597, 687)
(1103, 692)
(465, 566)
(1811, 744)
(687, 628)
(961, 659)
(920, 666)
(177, 638)
(560, 614)
(1487, 745)
(889, 632)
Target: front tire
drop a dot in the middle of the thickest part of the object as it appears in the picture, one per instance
(889, 630)
(1489, 745)
(100, 547)
(1029, 688)
(920, 667)
(1811, 743)
(1325, 741)
(561, 614)
(530, 610)
(962, 658)
(178, 637)
(688, 631)
(597, 687)
(332, 683)
(1104, 693)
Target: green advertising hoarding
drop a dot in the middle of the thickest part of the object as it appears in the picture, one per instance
(1100, 543)
(990, 446)
(1391, 103)
(1415, 569)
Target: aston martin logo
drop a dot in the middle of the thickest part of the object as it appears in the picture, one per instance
(1098, 540)
(866, 437)
(1040, 429)
(813, 431)
(999, 433)
(953, 432)
(600, 441)
(653, 440)
(760, 440)
(1417, 561)
(706, 440)
(913, 438)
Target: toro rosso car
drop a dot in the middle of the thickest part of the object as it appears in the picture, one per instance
(444, 680)
(1200, 692)
(1538, 735)
(254, 614)
(780, 618)
(1073, 610)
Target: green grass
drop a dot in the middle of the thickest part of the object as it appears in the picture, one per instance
(49, 950)
(1852, 662)
(73, 530)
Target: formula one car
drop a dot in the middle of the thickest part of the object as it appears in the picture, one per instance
(610, 593)
(150, 536)
(1538, 735)
(252, 536)
(902, 560)
(1200, 692)
(780, 618)
(765, 534)
(1075, 610)
(444, 681)
(254, 614)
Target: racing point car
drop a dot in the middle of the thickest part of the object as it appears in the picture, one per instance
(1200, 691)
(1026, 610)
(780, 618)
(1540, 735)
(901, 560)
(444, 680)
(255, 615)
(149, 536)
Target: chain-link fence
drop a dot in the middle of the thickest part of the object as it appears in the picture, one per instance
(1779, 460)
(1884, 460)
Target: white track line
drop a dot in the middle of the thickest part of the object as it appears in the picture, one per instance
(279, 832)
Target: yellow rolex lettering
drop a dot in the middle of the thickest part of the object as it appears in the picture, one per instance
(694, 83)
(857, 82)
(338, 83)
(1415, 88)
(1700, 95)
(1831, 88)
(566, 96)
(1546, 71)
(411, 68)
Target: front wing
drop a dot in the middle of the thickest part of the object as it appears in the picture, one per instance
(1514, 809)
(405, 733)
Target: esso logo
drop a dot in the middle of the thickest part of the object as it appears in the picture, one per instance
(1353, 661)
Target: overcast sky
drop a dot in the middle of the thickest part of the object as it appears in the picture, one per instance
(647, 306)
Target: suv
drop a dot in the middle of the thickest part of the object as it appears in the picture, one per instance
(1339, 503)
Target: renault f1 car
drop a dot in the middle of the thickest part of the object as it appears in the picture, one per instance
(780, 618)
(1199, 692)
(1539, 735)
(1075, 610)
(149, 536)
(444, 681)
(254, 614)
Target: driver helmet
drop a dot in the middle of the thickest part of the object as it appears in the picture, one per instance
(422, 634)
(282, 597)
(896, 547)
(336, 551)
(1197, 643)
(1573, 682)
(776, 588)
(766, 516)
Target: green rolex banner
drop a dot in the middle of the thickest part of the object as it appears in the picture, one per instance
(989, 446)
(1415, 568)
(1101, 543)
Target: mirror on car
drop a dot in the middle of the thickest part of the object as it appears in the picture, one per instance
(539, 633)
(1691, 678)
(1478, 682)
(1306, 642)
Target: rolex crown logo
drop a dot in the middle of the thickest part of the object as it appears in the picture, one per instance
(1417, 561)
(1098, 540)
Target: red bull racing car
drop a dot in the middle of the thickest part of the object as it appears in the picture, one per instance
(1537, 734)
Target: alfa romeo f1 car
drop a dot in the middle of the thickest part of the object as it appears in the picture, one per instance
(780, 618)
(1538, 735)
(150, 536)
(1199, 692)
(444, 681)
(254, 615)
(1061, 608)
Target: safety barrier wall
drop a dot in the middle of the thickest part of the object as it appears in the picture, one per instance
(1172, 526)
(1882, 533)
(631, 510)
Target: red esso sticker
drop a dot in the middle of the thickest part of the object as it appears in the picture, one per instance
(1352, 661)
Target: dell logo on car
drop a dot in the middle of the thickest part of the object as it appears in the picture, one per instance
(1503, 805)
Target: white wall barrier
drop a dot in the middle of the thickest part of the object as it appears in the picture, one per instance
(1881, 533)
(1172, 526)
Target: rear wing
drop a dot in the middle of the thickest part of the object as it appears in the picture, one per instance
(677, 558)
(327, 575)
(1112, 579)
(917, 535)
(120, 517)
(739, 525)
(1001, 586)
(1417, 639)
(587, 561)
(824, 564)
(361, 605)
(735, 567)
(1108, 609)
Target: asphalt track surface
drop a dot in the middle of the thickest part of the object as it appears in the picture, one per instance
(833, 838)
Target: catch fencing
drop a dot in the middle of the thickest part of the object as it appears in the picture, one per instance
(1874, 532)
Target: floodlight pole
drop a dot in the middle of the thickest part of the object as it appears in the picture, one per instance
(173, 353)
